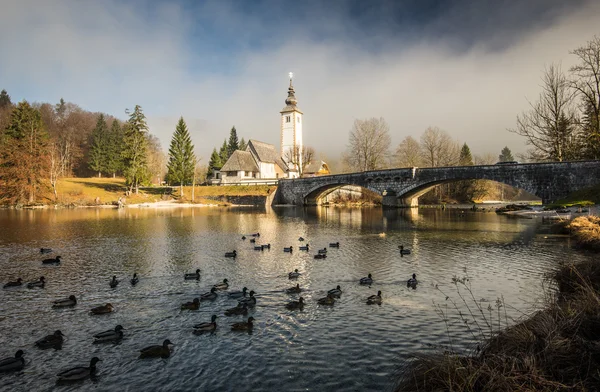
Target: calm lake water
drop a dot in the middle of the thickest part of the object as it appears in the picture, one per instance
(348, 347)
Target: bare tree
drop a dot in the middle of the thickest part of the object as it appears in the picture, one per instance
(587, 85)
(369, 143)
(300, 157)
(549, 126)
(438, 148)
(157, 161)
(408, 153)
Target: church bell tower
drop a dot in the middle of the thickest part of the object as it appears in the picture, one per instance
(291, 132)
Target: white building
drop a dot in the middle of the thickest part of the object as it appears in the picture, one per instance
(291, 132)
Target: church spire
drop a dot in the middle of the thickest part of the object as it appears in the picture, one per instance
(291, 98)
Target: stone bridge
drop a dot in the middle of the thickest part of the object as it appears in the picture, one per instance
(402, 187)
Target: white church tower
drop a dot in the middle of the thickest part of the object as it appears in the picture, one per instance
(291, 133)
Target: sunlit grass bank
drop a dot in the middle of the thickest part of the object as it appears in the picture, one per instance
(584, 197)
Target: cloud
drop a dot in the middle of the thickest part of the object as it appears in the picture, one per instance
(219, 64)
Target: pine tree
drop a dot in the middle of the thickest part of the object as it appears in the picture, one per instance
(182, 160)
(4, 99)
(24, 156)
(465, 159)
(114, 160)
(243, 145)
(99, 147)
(135, 149)
(214, 163)
(224, 152)
(505, 155)
(233, 144)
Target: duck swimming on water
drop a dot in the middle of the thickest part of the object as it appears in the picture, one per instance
(294, 275)
(55, 260)
(206, 327)
(412, 282)
(244, 325)
(45, 250)
(294, 289)
(108, 308)
(157, 351)
(403, 251)
(240, 309)
(114, 282)
(112, 335)
(231, 254)
(134, 280)
(367, 280)
(193, 275)
(212, 294)
(222, 286)
(288, 249)
(66, 302)
(51, 341)
(11, 364)
(337, 292)
(250, 300)
(194, 305)
(329, 300)
(304, 247)
(37, 283)
(295, 304)
(16, 283)
(374, 299)
(79, 373)
(238, 294)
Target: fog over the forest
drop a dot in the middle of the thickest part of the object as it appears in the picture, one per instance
(462, 70)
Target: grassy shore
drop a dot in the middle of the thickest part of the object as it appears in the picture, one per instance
(106, 191)
(584, 197)
(555, 349)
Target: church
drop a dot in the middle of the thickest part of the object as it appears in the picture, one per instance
(260, 163)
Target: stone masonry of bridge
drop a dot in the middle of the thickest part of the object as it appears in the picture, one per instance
(402, 187)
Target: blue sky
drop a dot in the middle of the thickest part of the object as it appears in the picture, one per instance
(468, 67)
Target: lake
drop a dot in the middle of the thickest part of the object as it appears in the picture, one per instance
(350, 346)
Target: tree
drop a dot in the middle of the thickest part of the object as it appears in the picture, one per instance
(135, 149)
(99, 147)
(299, 157)
(505, 155)
(549, 126)
(214, 163)
(24, 160)
(4, 99)
(368, 147)
(243, 145)
(224, 152)
(408, 153)
(182, 161)
(465, 158)
(233, 144)
(586, 83)
(438, 148)
(156, 160)
(114, 159)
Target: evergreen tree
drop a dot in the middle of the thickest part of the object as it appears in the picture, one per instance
(182, 160)
(99, 147)
(214, 163)
(114, 160)
(135, 149)
(233, 144)
(224, 152)
(505, 155)
(24, 156)
(243, 145)
(4, 99)
(465, 159)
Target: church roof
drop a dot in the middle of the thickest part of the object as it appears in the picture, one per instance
(266, 152)
(291, 100)
(316, 167)
(240, 160)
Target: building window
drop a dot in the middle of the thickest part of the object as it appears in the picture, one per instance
(287, 119)
(298, 119)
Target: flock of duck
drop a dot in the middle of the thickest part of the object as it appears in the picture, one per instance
(245, 301)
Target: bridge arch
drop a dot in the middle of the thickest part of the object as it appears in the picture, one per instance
(316, 194)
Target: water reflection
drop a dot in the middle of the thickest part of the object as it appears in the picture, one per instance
(349, 346)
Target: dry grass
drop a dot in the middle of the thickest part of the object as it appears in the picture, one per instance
(586, 231)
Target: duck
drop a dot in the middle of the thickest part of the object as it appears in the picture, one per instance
(294, 275)
(244, 237)
(250, 300)
(320, 256)
(206, 327)
(241, 308)
(222, 286)
(367, 280)
(134, 280)
(112, 335)
(300, 239)
(266, 246)
(244, 325)
(304, 247)
(252, 240)
(51, 341)
(193, 275)
(80, 372)
(65, 302)
(337, 292)
(37, 283)
(322, 251)
(259, 247)
(108, 308)
(412, 281)
(289, 250)
(403, 251)
(114, 282)
(45, 250)
(294, 289)
(374, 299)
(194, 305)
(238, 294)
(157, 351)
(231, 254)
(12, 363)
(16, 283)
(209, 296)
(334, 244)
(256, 235)
(295, 304)
(329, 300)
(55, 260)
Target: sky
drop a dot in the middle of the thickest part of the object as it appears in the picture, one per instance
(467, 67)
